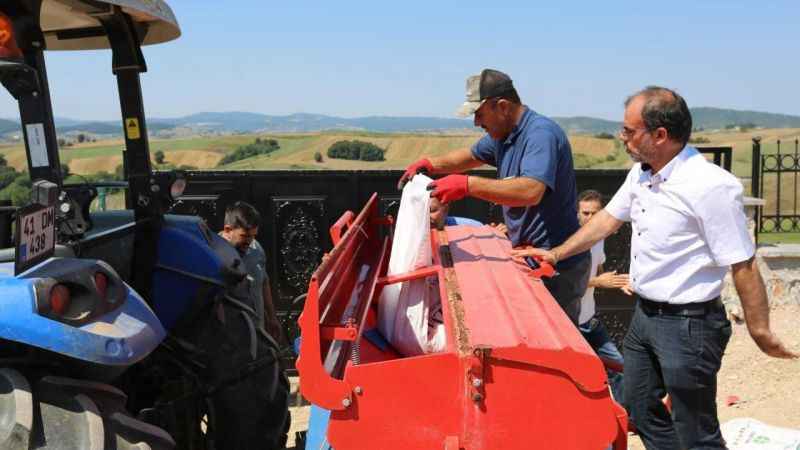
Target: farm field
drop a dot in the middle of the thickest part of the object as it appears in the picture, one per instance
(297, 150)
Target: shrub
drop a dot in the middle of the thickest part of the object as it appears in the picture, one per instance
(19, 191)
(699, 140)
(355, 150)
(318, 157)
(258, 147)
(159, 156)
(604, 135)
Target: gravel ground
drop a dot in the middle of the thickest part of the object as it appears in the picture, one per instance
(767, 388)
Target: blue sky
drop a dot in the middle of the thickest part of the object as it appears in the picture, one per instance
(410, 58)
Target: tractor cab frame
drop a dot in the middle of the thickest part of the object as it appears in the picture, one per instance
(29, 27)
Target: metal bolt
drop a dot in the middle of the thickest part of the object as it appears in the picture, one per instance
(358, 390)
(155, 188)
(346, 402)
(477, 382)
(35, 94)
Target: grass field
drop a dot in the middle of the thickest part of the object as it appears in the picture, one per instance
(297, 150)
(779, 238)
(297, 153)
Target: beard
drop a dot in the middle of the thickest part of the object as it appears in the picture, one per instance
(643, 155)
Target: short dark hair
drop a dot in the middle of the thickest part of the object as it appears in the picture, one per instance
(665, 108)
(242, 215)
(590, 195)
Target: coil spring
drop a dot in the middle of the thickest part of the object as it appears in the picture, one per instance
(355, 353)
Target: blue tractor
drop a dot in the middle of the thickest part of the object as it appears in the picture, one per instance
(131, 329)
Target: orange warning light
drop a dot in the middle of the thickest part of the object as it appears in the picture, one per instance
(8, 45)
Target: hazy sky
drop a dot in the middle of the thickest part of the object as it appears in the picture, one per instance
(410, 58)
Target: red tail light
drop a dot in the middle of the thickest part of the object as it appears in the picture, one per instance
(59, 299)
(101, 283)
(8, 44)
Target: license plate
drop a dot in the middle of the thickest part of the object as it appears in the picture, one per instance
(35, 236)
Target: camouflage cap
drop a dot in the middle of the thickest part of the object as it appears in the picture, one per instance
(489, 83)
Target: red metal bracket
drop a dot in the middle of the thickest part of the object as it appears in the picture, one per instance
(419, 273)
(336, 230)
(346, 333)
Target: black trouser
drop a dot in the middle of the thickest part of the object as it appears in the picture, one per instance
(569, 286)
(680, 355)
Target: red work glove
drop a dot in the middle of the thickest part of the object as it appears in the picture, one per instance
(449, 188)
(415, 168)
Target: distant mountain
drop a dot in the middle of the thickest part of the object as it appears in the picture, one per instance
(8, 126)
(252, 122)
(587, 125)
(716, 118)
(246, 122)
(92, 127)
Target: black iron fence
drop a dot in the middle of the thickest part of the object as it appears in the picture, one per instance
(775, 179)
(298, 207)
(722, 156)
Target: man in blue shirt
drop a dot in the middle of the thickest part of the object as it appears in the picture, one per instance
(535, 177)
(440, 216)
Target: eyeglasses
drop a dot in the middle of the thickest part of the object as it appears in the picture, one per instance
(627, 133)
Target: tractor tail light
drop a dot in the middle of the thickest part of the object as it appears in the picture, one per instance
(8, 44)
(59, 299)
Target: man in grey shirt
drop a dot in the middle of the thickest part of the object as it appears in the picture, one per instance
(240, 229)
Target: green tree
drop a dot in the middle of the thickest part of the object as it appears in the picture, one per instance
(19, 192)
(159, 157)
(355, 150)
(258, 147)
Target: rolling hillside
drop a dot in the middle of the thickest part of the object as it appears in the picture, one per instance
(297, 150)
(246, 122)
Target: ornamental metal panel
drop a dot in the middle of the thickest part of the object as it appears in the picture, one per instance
(776, 179)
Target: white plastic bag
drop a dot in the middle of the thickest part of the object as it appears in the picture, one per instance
(750, 434)
(404, 308)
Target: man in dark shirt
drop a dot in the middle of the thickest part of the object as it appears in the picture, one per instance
(535, 177)
(240, 229)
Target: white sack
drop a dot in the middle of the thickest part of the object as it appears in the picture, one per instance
(750, 434)
(404, 308)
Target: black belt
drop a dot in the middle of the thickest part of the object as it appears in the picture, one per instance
(651, 307)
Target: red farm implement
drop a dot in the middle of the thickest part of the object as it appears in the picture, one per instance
(515, 374)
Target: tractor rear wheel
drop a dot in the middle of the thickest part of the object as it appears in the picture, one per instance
(69, 414)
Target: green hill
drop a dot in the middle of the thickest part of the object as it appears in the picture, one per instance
(717, 118)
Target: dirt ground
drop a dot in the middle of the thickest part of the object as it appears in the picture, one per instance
(767, 389)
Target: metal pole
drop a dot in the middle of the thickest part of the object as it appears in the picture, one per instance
(6, 212)
(778, 165)
(756, 167)
(755, 176)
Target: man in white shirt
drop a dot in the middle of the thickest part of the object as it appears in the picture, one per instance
(590, 202)
(688, 228)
